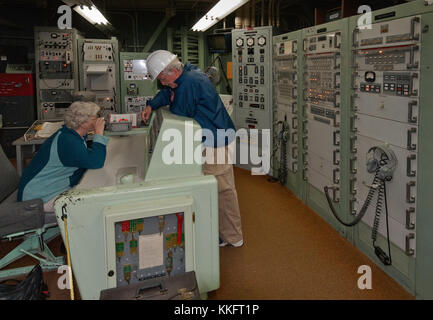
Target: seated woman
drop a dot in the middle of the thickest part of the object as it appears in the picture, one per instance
(64, 157)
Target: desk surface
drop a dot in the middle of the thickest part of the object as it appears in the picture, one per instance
(21, 142)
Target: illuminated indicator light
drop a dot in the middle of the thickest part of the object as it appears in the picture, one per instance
(120, 248)
(127, 272)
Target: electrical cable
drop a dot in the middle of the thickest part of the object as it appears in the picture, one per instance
(282, 173)
(379, 185)
(31, 288)
(364, 208)
(68, 255)
(283, 170)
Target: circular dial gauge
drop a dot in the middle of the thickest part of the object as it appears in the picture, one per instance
(240, 42)
(370, 76)
(250, 42)
(262, 41)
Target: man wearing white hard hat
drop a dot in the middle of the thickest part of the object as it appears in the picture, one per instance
(189, 93)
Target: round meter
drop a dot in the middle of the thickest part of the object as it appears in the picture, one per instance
(370, 76)
(250, 42)
(240, 42)
(262, 41)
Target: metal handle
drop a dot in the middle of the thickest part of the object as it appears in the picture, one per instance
(304, 143)
(353, 81)
(409, 251)
(336, 85)
(352, 186)
(294, 134)
(353, 129)
(353, 149)
(295, 153)
(334, 194)
(304, 94)
(304, 126)
(304, 176)
(305, 45)
(413, 91)
(294, 89)
(352, 206)
(294, 111)
(412, 64)
(354, 66)
(295, 46)
(336, 55)
(334, 157)
(334, 138)
(413, 36)
(410, 145)
(336, 124)
(336, 105)
(304, 110)
(352, 165)
(354, 32)
(295, 78)
(410, 116)
(409, 224)
(294, 123)
(294, 163)
(334, 175)
(352, 102)
(409, 198)
(335, 38)
(409, 171)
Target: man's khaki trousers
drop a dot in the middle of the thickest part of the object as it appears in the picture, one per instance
(230, 227)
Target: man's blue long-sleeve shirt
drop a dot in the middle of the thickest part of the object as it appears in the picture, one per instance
(195, 97)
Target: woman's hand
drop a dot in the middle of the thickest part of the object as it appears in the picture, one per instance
(99, 126)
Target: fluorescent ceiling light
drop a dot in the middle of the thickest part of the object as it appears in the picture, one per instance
(91, 14)
(222, 9)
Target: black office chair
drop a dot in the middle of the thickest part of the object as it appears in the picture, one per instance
(25, 220)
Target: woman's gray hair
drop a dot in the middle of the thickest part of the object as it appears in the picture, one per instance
(80, 112)
(175, 64)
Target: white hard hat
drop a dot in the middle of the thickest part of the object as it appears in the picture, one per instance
(157, 61)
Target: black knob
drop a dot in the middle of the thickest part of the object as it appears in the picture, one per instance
(111, 273)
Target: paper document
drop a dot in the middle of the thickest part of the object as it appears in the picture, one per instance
(48, 128)
(151, 251)
(97, 69)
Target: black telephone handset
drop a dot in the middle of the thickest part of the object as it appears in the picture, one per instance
(382, 164)
(386, 260)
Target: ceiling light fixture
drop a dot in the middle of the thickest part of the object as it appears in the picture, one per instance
(222, 9)
(91, 14)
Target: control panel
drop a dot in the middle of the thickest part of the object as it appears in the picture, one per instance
(56, 70)
(286, 106)
(252, 77)
(136, 86)
(136, 104)
(99, 72)
(386, 112)
(135, 70)
(134, 236)
(16, 100)
(98, 52)
(321, 110)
